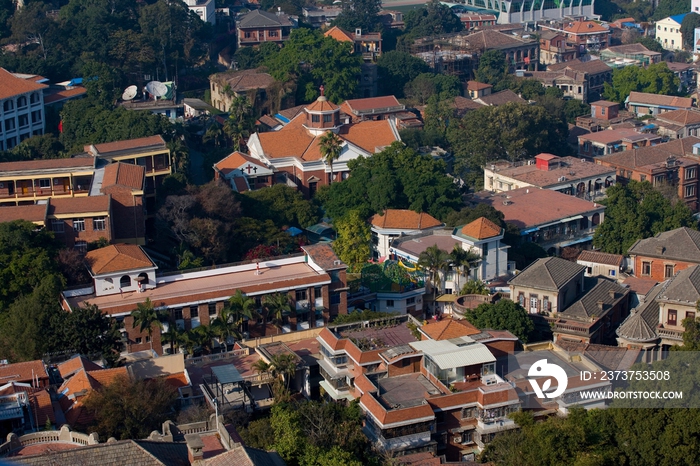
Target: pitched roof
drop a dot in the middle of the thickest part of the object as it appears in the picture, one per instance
(660, 100)
(370, 103)
(590, 66)
(22, 371)
(492, 39)
(549, 273)
(589, 305)
(76, 363)
(679, 244)
(234, 160)
(678, 18)
(683, 287)
(11, 85)
(117, 258)
(129, 144)
(501, 97)
(601, 258)
(447, 329)
(641, 324)
(35, 213)
(78, 205)
(240, 81)
(477, 86)
(651, 154)
(463, 105)
(244, 456)
(324, 256)
(339, 34)
(605, 103)
(404, 219)
(48, 164)
(682, 117)
(630, 49)
(609, 135)
(482, 228)
(322, 104)
(370, 135)
(124, 174)
(124, 452)
(259, 18)
(582, 27)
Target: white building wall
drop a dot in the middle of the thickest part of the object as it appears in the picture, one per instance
(21, 117)
(668, 34)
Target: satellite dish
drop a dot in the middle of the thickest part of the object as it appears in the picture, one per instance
(130, 93)
(156, 88)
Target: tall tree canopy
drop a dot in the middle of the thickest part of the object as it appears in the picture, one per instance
(352, 244)
(636, 211)
(690, 22)
(504, 315)
(432, 19)
(363, 14)
(493, 67)
(396, 178)
(512, 132)
(655, 79)
(311, 60)
(396, 69)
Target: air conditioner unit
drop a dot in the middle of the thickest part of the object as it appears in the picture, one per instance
(457, 440)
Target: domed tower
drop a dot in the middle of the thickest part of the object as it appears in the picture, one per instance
(322, 116)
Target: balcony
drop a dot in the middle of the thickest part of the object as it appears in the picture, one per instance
(402, 443)
(670, 334)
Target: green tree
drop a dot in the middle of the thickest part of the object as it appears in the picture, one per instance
(650, 44)
(363, 14)
(464, 261)
(88, 331)
(427, 85)
(276, 305)
(666, 8)
(395, 69)
(468, 214)
(352, 244)
(127, 409)
(146, 317)
(432, 19)
(283, 205)
(688, 25)
(434, 260)
(636, 211)
(493, 67)
(102, 82)
(240, 122)
(655, 79)
(474, 287)
(330, 146)
(242, 308)
(503, 315)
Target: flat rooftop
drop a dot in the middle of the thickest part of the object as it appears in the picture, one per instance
(568, 170)
(415, 245)
(379, 337)
(517, 365)
(405, 391)
(212, 287)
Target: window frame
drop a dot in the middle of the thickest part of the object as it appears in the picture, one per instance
(78, 224)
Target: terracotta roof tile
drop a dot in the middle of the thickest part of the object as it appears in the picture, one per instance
(322, 104)
(107, 376)
(22, 372)
(404, 219)
(601, 258)
(683, 117)
(369, 135)
(116, 258)
(477, 86)
(130, 144)
(662, 100)
(48, 164)
(339, 34)
(372, 103)
(74, 364)
(652, 154)
(580, 27)
(31, 213)
(290, 141)
(10, 85)
(482, 228)
(78, 205)
(324, 256)
(124, 174)
(177, 380)
(447, 329)
(235, 160)
(64, 95)
(501, 98)
(241, 184)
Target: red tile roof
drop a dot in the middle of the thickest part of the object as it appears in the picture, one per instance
(582, 27)
(477, 86)
(369, 135)
(447, 329)
(79, 205)
(404, 219)
(22, 372)
(74, 364)
(371, 103)
(682, 117)
(324, 256)
(48, 164)
(124, 174)
(117, 258)
(322, 104)
(32, 213)
(481, 228)
(235, 160)
(339, 34)
(64, 95)
(139, 143)
(10, 85)
(657, 99)
(107, 376)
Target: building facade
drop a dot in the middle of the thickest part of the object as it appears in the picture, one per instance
(21, 109)
(259, 26)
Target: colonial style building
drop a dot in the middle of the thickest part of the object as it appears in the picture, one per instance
(548, 285)
(595, 74)
(252, 84)
(124, 276)
(368, 45)
(664, 255)
(678, 124)
(611, 141)
(393, 223)
(21, 108)
(294, 153)
(601, 263)
(259, 26)
(642, 103)
(668, 32)
(554, 48)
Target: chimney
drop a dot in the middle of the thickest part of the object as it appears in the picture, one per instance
(660, 250)
(195, 447)
(600, 306)
(612, 293)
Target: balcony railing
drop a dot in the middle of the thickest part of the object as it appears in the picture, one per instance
(670, 334)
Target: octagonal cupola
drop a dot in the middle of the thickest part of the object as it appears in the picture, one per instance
(322, 116)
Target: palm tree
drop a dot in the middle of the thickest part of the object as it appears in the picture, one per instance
(214, 133)
(463, 260)
(146, 316)
(330, 145)
(172, 335)
(276, 305)
(179, 154)
(261, 367)
(434, 260)
(284, 366)
(240, 123)
(231, 318)
(189, 341)
(203, 335)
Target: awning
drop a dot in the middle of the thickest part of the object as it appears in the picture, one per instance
(576, 241)
(570, 219)
(446, 298)
(227, 374)
(529, 230)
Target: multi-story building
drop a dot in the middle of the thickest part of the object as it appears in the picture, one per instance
(518, 12)
(259, 26)
(664, 255)
(227, 86)
(551, 219)
(124, 276)
(294, 153)
(595, 74)
(678, 124)
(601, 263)
(21, 108)
(477, 90)
(611, 141)
(79, 221)
(205, 9)
(587, 35)
(668, 32)
(393, 223)
(373, 108)
(567, 175)
(630, 54)
(555, 49)
(643, 103)
(369, 44)
(320, 17)
(672, 165)
(472, 21)
(548, 285)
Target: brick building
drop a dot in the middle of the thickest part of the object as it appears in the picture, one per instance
(259, 26)
(665, 254)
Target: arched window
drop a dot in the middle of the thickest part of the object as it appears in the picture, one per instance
(34, 98)
(143, 278)
(21, 102)
(125, 281)
(595, 220)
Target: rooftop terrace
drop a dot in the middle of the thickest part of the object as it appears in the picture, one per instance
(405, 391)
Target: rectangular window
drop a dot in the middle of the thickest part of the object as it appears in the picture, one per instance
(81, 247)
(138, 340)
(646, 268)
(669, 270)
(23, 120)
(690, 190)
(389, 303)
(212, 309)
(611, 272)
(315, 118)
(79, 224)
(318, 292)
(642, 177)
(301, 295)
(328, 118)
(45, 183)
(690, 173)
(602, 111)
(411, 301)
(690, 315)
(9, 124)
(335, 298)
(194, 312)
(672, 317)
(36, 116)
(99, 223)
(57, 225)
(177, 314)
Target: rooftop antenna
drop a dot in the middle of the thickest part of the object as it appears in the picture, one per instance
(156, 89)
(129, 93)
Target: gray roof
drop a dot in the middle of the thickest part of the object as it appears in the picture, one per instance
(125, 452)
(641, 324)
(245, 456)
(501, 97)
(550, 273)
(679, 244)
(684, 287)
(599, 290)
(257, 18)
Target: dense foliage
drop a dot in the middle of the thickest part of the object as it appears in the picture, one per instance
(352, 244)
(655, 79)
(636, 211)
(396, 178)
(396, 69)
(503, 315)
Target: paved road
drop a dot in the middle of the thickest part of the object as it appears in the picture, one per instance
(197, 175)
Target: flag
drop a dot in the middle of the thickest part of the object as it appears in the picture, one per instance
(60, 126)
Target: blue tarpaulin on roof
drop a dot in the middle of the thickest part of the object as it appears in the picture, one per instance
(651, 126)
(294, 231)
(75, 82)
